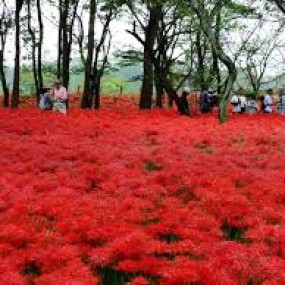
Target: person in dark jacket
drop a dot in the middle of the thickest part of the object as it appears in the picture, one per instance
(205, 102)
(184, 105)
(184, 99)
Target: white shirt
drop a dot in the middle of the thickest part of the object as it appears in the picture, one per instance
(268, 103)
(242, 101)
(236, 103)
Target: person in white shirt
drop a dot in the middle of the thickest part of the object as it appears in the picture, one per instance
(243, 102)
(239, 103)
(60, 97)
(268, 102)
(235, 101)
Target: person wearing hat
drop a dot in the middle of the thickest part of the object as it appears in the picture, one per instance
(60, 97)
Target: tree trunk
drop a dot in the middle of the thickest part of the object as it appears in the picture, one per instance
(3, 81)
(16, 81)
(65, 46)
(102, 48)
(59, 49)
(40, 44)
(148, 73)
(216, 72)
(97, 101)
(4, 31)
(223, 107)
(222, 56)
(159, 92)
(216, 68)
(201, 66)
(35, 71)
(224, 103)
(68, 17)
(89, 78)
(167, 86)
(34, 49)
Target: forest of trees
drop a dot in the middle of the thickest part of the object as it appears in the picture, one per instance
(202, 44)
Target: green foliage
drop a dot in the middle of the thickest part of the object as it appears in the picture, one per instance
(169, 238)
(128, 57)
(111, 276)
(233, 233)
(31, 268)
(112, 84)
(150, 166)
(240, 9)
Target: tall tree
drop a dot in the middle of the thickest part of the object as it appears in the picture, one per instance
(257, 55)
(6, 23)
(158, 38)
(16, 80)
(67, 15)
(151, 32)
(209, 13)
(40, 43)
(36, 40)
(216, 72)
(159, 56)
(148, 23)
(96, 60)
(202, 48)
(170, 37)
(87, 99)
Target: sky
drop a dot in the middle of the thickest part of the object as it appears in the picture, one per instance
(121, 39)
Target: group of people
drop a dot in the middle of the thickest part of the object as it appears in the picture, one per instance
(207, 101)
(240, 103)
(55, 98)
(243, 105)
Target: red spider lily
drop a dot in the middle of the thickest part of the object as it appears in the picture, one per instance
(141, 198)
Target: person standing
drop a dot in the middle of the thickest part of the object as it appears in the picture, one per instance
(205, 102)
(184, 104)
(281, 102)
(261, 100)
(184, 99)
(235, 101)
(268, 102)
(243, 102)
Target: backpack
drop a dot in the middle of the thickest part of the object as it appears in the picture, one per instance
(45, 102)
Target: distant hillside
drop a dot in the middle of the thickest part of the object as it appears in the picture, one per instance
(111, 82)
(124, 77)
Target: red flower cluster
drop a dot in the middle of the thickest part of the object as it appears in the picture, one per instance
(128, 197)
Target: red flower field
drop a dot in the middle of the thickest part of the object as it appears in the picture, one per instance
(126, 197)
